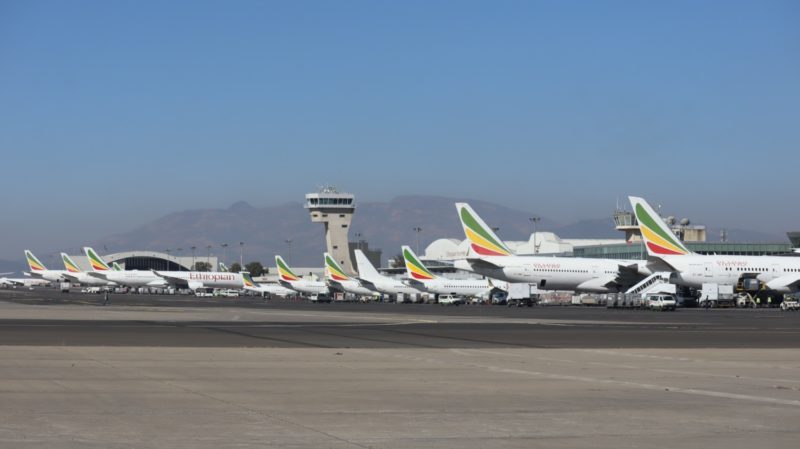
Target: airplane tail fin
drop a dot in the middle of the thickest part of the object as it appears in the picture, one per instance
(333, 271)
(247, 279)
(481, 237)
(223, 268)
(33, 262)
(97, 262)
(70, 264)
(116, 267)
(416, 269)
(365, 268)
(658, 237)
(284, 272)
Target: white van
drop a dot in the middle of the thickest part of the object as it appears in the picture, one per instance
(660, 302)
(454, 300)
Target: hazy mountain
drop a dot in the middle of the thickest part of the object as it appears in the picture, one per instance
(385, 225)
(14, 266)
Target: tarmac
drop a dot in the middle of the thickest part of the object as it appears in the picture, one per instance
(157, 372)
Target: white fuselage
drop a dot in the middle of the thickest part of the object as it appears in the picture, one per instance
(353, 287)
(392, 286)
(190, 279)
(25, 282)
(559, 273)
(460, 287)
(48, 275)
(307, 287)
(778, 273)
(272, 289)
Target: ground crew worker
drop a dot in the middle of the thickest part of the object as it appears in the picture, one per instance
(105, 300)
(758, 302)
(769, 301)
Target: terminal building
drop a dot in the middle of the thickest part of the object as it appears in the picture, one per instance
(148, 260)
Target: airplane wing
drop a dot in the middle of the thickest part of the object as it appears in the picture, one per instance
(71, 277)
(97, 274)
(367, 284)
(478, 262)
(178, 282)
(791, 282)
(599, 283)
(6, 274)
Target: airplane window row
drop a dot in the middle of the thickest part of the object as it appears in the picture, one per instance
(561, 271)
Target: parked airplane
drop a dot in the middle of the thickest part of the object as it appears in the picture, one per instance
(21, 282)
(38, 270)
(288, 279)
(419, 273)
(272, 289)
(76, 275)
(178, 279)
(781, 274)
(371, 278)
(223, 268)
(495, 260)
(116, 266)
(339, 280)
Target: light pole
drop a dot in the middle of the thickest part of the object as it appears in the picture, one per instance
(241, 255)
(167, 251)
(358, 240)
(193, 262)
(417, 229)
(289, 252)
(534, 220)
(208, 257)
(225, 252)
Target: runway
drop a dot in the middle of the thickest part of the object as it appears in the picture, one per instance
(252, 322)
(176, 372)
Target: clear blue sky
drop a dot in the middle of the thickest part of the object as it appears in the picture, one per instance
(113, 113)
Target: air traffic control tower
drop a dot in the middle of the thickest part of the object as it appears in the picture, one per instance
(336, 211)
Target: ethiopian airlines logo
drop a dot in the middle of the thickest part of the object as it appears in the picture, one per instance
(285, 272)
(481, 241)
(247, 281)
(658, 240)
(334, 271)
(69, 264)
(33, 262)
(96, 262)
(415, 267)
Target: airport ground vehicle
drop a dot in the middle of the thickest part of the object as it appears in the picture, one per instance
(450, 300)
(790, 303)
(660, 302)
(321, 297)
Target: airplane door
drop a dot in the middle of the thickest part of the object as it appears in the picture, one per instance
(708, 269)
(776, 271)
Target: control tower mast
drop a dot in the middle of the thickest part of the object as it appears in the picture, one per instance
(335, 209)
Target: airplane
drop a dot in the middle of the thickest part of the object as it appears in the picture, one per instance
(272, 289)
(495, 260)
(290, 280)
(223, 268)
(38, 270)
(781, 274)
(20, 282)
(419, 273)
(76, 275)
(337, 278)
(153, 278)
(371, 278)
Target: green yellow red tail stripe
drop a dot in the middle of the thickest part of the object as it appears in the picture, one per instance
(657, 236)
(33, 262)
(69, 264)
(333, 270)
(248, 281)
(284, 271)
(482, 240)
(416, 269)
(95, 261)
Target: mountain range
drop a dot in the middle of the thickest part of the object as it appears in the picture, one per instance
(384, 225)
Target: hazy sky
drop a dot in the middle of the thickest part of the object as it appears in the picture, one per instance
(114, 113)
